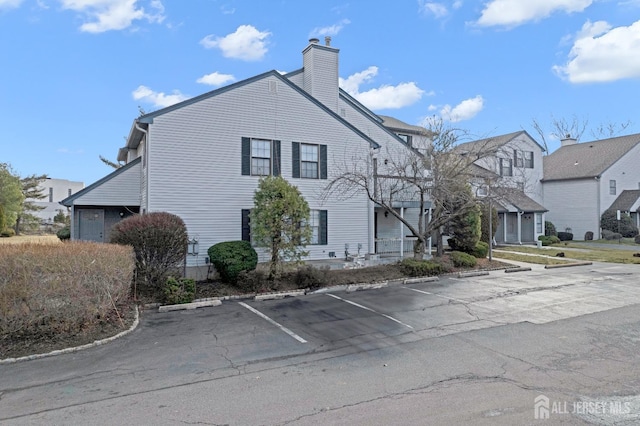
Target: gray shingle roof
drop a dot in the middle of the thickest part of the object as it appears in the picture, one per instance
(587, 159)
(518, 199)
(394, 123)
(493, 143)
(626, 200)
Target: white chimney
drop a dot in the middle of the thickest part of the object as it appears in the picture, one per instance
(320, 78)
(568, 140)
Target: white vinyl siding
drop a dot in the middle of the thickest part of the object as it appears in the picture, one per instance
(121, 190)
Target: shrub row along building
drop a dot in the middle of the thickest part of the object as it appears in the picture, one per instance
(201, 159)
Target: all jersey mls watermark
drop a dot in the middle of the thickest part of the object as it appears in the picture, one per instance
(544, 408)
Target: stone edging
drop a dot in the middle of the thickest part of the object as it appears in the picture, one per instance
(75, 348)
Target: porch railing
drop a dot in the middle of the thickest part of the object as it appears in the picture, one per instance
(391, 246)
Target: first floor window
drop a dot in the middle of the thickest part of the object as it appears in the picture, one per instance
(318, 224)
(612, 187)
(539, 223)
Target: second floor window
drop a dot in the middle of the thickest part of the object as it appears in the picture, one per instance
(309, 161)
(517, 158)
(612, 187)
(506, 167)
(528, 159)
(260, 157)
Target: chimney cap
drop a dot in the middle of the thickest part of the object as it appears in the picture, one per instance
(327, 40)
(314, 41)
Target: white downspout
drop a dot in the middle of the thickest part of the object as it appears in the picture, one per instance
(401, 232)
(146, 162)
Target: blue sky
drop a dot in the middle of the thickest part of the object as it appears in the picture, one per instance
(74, 73)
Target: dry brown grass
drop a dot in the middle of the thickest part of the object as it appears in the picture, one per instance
(52, 289)
(30, 239)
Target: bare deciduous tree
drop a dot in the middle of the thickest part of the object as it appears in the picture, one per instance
(432, 172)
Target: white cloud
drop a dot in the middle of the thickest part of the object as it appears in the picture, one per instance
(216, 79)
(107, 15)
(439, 10)
(247, 43)
(158, 99)
(331, 30)
(511, 13)
(384, 97)
(10, 4)
(601, 53)
(465, 110)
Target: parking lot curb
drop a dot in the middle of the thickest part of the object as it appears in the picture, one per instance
(566, 265)
(518, 269)
(419, 280)
(187, 306)
(136, 321)
(281, 295)
(472, 274)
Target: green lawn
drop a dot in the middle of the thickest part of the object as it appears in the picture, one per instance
(539, 260)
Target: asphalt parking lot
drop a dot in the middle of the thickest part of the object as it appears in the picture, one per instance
(211, 359)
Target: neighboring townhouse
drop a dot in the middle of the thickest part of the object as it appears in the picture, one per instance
(582, 180)
(629, 203)
(53, 191)
(201, 159)
(508, 172)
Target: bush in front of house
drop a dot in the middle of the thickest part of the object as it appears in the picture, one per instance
(588, 236)
(232, 257)
(625, 226)
(420, 268)
(462, 260)
(481, 250)
(179, 290)
(547, 241)
(8, 232)
(565, 236)
(61, 289)
(637, 239)
(159, 241)
(64, 233)
(549, 229)
(610, 235)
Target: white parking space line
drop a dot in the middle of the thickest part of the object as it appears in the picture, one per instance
(281, 327)
(369, 309)
(436, 295)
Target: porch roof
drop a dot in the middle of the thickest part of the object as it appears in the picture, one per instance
(627, 200)
(513, 200)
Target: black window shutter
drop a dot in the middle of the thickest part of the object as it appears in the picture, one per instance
(295, 155)
(246, 156)
(246, 226)
(323, 161)
(276, 158)
(532, 159)
(322, 238)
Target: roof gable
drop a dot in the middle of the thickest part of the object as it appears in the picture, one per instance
(495, 142)
(627, 200)
(134, 136)
(587, 159)
(68, 202)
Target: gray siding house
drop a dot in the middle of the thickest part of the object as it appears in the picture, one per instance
(582, 180)
(509, 173)
(201, 159)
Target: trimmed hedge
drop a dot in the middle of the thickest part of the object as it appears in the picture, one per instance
(481, 250)
(588, 236)
(64, 233)
(180, 290)
(232, 257)
(637, 239)
(610, 235)
(626, 227)
(549, 229)
(420, 268)
(463, 260)
(547, 241)
(565, 236)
